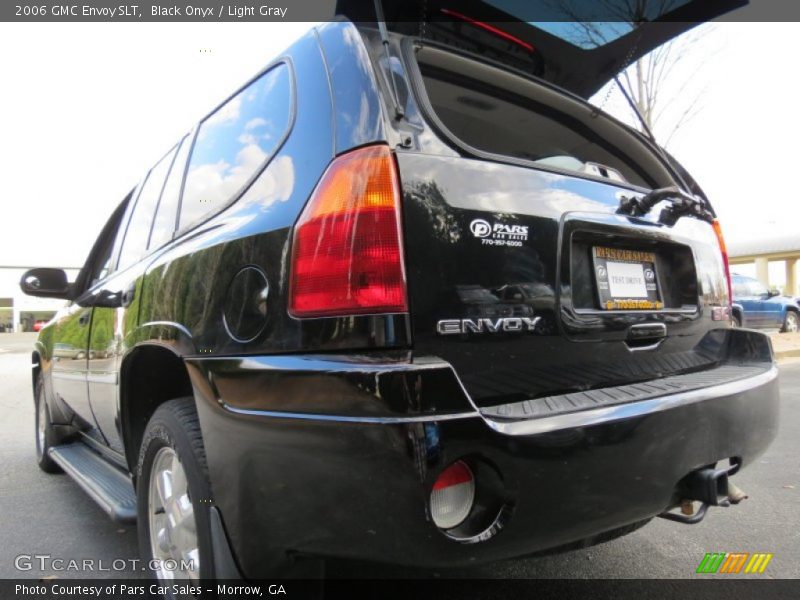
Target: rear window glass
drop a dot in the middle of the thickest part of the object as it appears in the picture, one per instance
(585, 24)
(738, 288)
(167, 213)
(234, 143)
(502, 113)
(756, 288)
(138, 231)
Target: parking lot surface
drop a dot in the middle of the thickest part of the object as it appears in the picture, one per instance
(44, 514)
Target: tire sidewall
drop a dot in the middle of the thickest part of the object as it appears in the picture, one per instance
(165, 430)
(50, 438)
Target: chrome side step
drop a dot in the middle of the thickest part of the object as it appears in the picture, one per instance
(108, 486)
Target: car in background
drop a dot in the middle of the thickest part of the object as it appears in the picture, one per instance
(69, 351)
(37, 326)
(756, 306)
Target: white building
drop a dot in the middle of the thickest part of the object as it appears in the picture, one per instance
(19, 312)
(772, 259)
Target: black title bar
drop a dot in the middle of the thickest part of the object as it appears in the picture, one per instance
(396, 10)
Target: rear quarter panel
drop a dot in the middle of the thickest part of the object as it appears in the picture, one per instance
(188, 282)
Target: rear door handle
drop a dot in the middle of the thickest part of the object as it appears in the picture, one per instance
(647, 331)
(85, 318)
(646, 336)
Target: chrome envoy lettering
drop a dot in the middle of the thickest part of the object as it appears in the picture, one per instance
(506, 324)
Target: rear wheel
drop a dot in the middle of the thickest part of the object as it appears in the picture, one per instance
(791, 322)
(174, 495)
(46, 436)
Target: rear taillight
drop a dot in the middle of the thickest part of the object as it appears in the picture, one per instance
(347, 253)
(724, 250)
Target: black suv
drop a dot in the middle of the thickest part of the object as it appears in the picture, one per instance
(406, 297)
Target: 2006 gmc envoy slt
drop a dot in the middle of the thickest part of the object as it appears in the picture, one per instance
(406, 297)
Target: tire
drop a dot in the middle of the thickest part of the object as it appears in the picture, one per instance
(80, 355)
(791, 322)
(736, 322)
(173, 432)
(46, 436)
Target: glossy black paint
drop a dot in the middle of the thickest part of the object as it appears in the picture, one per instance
(564, 215)
(386, 385)
(363, 491)
(323, 436)
(45, 283)
(356, 104)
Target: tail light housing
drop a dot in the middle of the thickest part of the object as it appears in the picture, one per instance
(453, 495)
(724, 250)
(347, 250)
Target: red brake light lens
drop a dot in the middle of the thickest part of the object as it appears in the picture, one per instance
(724, 250)
(490, 28)
(347, 253)
(455, 474)
(453, 495)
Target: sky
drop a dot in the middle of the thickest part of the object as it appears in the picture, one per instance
(86, 109)
(742, 146)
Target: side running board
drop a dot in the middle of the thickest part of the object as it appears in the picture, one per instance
(105, 484)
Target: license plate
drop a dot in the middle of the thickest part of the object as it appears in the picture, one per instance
(626, 279)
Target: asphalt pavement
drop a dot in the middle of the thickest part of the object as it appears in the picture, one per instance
(44, 514)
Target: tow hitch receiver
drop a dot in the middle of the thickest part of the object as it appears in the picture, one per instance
(709, 486)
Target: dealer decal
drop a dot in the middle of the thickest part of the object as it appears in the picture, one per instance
(498, 234)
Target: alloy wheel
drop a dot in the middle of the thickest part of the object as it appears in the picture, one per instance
(173, 528)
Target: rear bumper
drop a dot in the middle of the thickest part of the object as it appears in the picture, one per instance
(354, 482)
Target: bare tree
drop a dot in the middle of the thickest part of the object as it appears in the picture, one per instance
(648, 80)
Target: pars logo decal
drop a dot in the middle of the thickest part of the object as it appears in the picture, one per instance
(498, 234)
(480, 228)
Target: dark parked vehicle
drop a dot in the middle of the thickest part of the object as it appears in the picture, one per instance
(320, 317)
(757, 306)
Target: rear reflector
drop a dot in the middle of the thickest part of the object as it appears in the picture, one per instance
(724, 250)
(347, 253)
(453, 495)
